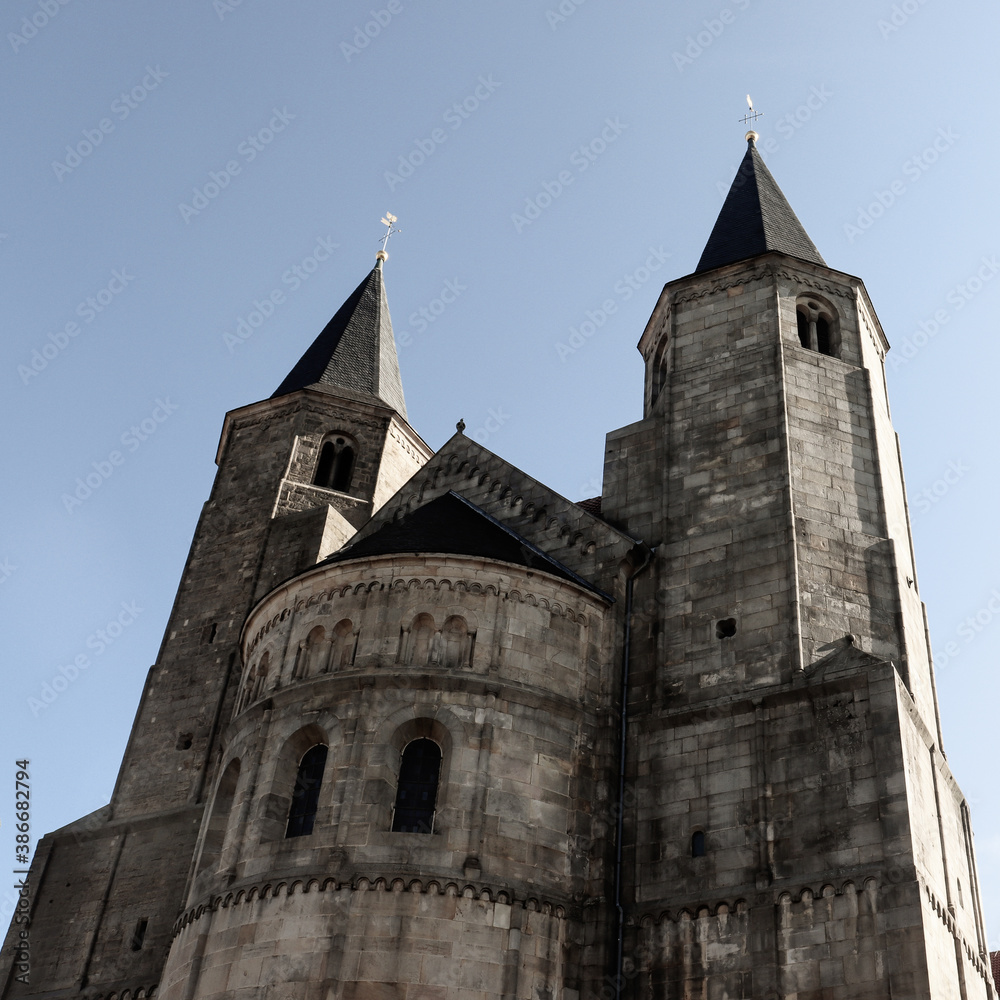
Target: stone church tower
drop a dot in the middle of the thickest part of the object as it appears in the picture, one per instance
(422, 729)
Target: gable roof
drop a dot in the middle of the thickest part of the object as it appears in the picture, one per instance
(453, 525)
(755, 219)
(356, 350)
(568, 534)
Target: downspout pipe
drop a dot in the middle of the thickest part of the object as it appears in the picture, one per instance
(619, 976)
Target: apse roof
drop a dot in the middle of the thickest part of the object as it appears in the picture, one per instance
(453, 525)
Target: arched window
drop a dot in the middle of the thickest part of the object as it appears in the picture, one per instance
(335, 467)
(422, 633)
(305, 797)
(314, 653)
(816, 325)
(416, 793)
(697, 844)
(218, 822)
(659, 369)
(456, 641)
(255, 682)
(344, 645)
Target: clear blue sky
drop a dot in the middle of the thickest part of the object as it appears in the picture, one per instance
(215, 147)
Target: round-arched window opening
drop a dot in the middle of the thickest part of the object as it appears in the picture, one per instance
(416, 792)
(335, 468)
(305, 795)
(816, 325)
(698, 844)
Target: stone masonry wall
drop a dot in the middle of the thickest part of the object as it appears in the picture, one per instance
(148, 832)
(755, 723)
(521, 714)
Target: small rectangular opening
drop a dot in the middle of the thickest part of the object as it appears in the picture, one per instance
(139, 934)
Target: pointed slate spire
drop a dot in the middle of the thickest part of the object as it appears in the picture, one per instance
(356, 349)
(755, 218)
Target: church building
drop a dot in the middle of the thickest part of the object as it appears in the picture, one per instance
(422, 729)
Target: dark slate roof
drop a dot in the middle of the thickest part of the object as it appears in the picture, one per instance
(755, 218)
(356, 350)
(453, 525)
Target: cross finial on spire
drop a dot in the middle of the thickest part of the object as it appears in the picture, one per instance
(387, 220)
(749, 118)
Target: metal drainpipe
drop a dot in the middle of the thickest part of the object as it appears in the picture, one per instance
(622, 746)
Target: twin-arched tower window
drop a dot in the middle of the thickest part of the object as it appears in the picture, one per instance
(817, 326)
(335, 468)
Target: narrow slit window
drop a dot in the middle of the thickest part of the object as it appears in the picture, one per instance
(416, 793)
(698, 844)
(139, 934)
(305, 797)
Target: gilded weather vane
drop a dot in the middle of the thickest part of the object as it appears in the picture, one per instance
(748, 119)
(387, 220)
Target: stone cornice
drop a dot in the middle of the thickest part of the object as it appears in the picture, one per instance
(399, 583)
(288, 886)
(649, 916)
(979, 962)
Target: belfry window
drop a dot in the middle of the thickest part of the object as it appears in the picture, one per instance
(698, 844)
(823, 344)
(416, 793)
(305, 797)
(335, 468)
(816, 326)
